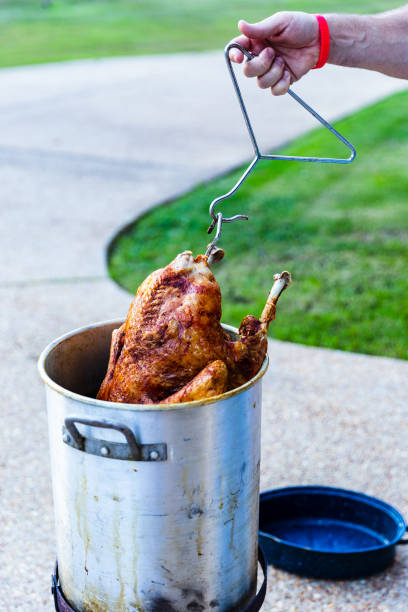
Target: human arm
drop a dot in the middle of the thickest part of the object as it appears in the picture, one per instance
(288, 45)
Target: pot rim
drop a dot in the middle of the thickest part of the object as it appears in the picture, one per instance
(41, 364)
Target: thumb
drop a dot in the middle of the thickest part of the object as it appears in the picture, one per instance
(272, 26)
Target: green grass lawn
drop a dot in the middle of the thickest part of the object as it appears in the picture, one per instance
(32, 32)
(341, 230)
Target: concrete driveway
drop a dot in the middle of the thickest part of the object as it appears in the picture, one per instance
(84, 148)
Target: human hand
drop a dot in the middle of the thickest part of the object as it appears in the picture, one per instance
(287, 46)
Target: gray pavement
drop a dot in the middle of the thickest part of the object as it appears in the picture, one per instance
(84, 148)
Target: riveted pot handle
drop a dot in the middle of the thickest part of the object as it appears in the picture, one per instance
(131, 450)
(403, 542)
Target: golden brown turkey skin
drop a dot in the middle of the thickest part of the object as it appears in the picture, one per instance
(172, 333)
(210, 382)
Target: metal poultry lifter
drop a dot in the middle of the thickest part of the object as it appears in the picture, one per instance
(217, 217)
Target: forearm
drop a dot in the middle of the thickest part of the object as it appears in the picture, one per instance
(376, 42)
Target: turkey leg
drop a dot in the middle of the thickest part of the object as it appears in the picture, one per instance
(211, 381)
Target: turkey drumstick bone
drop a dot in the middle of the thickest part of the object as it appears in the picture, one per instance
(282, 281)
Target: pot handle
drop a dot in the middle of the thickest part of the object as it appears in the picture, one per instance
(403, 542)
(131, 450)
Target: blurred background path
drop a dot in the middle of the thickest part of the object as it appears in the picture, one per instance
(84, 148)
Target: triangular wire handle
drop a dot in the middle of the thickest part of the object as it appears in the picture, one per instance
(217, 218)
(324, 160)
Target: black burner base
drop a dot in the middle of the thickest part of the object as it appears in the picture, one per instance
(61, 605)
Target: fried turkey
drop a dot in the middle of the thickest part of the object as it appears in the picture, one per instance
(172, 347)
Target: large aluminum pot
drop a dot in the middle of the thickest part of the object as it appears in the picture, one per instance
(156, 507)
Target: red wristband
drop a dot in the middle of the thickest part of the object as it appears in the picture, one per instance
(324, 41)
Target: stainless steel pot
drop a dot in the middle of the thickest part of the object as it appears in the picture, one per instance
(156, 507)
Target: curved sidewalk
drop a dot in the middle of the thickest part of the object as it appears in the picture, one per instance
(84, 148)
